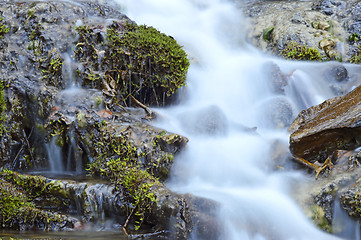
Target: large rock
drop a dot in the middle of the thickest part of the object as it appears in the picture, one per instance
(324, 25)
(45, 49)
(322, 129)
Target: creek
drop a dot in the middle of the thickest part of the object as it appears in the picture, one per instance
(235, 118)
(226, 159)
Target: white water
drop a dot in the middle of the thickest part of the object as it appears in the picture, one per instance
(234, 167)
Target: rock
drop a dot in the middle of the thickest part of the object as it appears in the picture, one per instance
(336, 73)
(20, 199)
(332, 125)
(307, 23)
(190, 215)
(91, 128)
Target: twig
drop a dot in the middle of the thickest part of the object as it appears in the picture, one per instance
(128, 219)
(148, 111)
(27, 142)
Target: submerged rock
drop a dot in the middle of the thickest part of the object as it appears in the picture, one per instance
(277, 80)
(207, 121)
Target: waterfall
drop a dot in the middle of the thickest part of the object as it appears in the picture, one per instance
(227, 75)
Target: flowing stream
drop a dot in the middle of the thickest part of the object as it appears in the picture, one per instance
(228, 94)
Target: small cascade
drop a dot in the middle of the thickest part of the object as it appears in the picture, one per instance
(67, 159)
(97, 204)
(74, 155)
(55, 157)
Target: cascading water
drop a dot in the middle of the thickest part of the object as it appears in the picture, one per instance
(227, 159)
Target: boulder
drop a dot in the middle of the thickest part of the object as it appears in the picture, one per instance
(324, 25)
(333, 125)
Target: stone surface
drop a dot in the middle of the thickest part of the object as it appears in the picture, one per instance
(332, 125)
(306, 22)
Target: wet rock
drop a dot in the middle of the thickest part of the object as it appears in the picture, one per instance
(350, 200)
(20, 208)
(325, 199)
(338, 78)
(336, 73)
(189, 215)
(207, 121)
(328, 7)
(334, 126)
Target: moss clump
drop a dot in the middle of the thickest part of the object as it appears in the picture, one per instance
(356, 58)
(51, 69)
(319, 219)
(11, 203)
(134, 60)
(157, 55)
(3, 28)
(17, 211)
(2, 107)
(296, 51)
(354, 38)
(39, 189)
(118, 162)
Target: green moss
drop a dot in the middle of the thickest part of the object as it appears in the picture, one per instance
(18, 212)
(2, 107)
(11, 202)
(34, 186)
(356, 57)
(267, 33)
(138, 60)
(296, 51)
(3, 28)
(354, 37)
(124, 170)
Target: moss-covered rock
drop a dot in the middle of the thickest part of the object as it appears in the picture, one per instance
(133, 60)
(18, 195)
(296, 51)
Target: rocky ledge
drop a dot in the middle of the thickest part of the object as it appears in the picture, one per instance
(78, 80)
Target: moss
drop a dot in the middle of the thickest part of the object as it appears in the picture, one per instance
(39, 191)
(356, 58)
(3, 28)
(2, 107)
(296, 51)
(266, 35)
(118, 162)
(18, 212)
(11, 203)
(354, 38)
(137, 60)
(319, 219)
